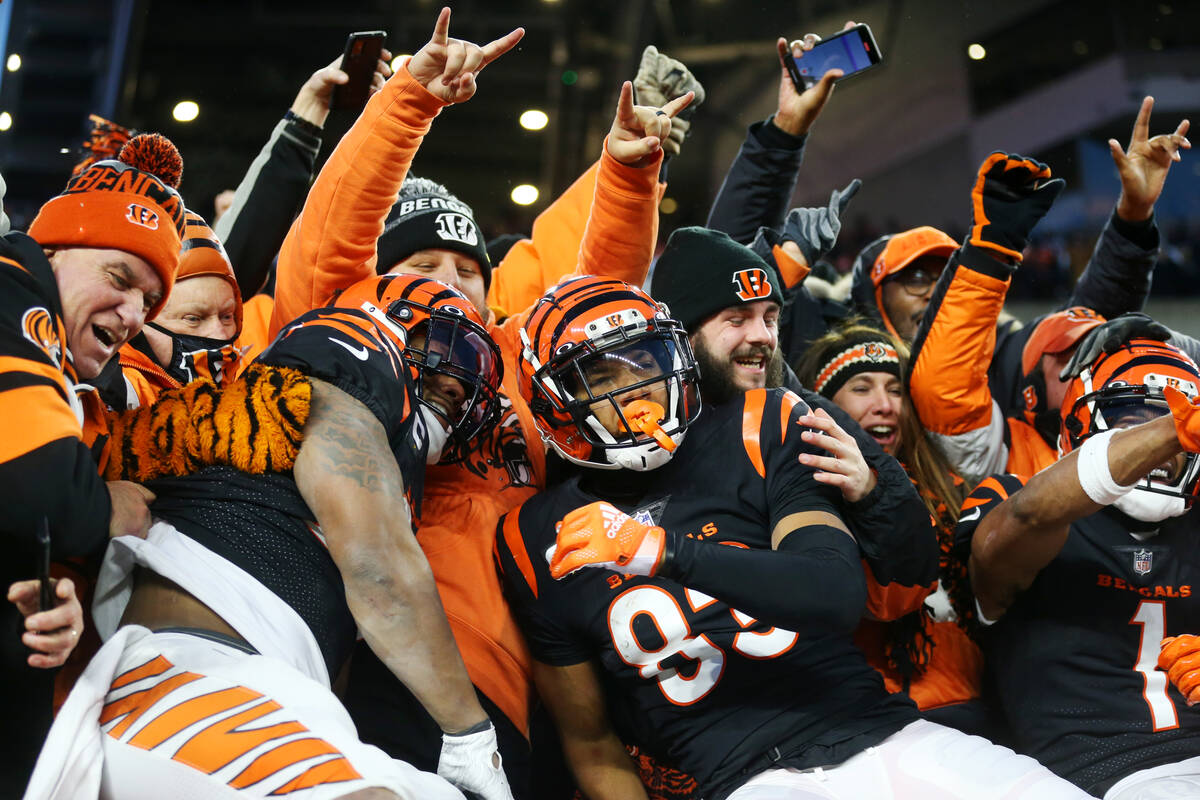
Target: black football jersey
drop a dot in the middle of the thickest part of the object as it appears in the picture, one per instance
(261, 522)
(1074, 658)
(699, 684)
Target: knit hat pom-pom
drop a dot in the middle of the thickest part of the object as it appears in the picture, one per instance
(156, 154)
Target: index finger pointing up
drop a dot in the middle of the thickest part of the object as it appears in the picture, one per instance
(441, 29)
(679, 104)
(498, 47)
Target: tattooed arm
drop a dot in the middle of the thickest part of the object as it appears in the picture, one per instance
(350, 480)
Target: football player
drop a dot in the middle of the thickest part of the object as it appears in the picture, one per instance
(243, 602)
(1083, 569)
(694, 590)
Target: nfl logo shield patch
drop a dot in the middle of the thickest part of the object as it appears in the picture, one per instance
(1143, 560)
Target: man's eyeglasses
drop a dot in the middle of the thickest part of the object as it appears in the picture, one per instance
(916, 281)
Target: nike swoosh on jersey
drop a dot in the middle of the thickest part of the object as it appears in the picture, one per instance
(971, 515)
(360, 354)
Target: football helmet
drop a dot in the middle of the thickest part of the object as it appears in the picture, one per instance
(441, 334)
(608, 374)
(1126, 387)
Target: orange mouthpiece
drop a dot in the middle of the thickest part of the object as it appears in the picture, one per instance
(644, 416)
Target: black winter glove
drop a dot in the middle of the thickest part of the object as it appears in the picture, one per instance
(1109, 337)
(815, 230)
(1011, 194)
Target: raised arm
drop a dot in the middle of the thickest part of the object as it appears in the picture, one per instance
(759, 183)
(1117, 278)
(332, 244)
(1014, 542)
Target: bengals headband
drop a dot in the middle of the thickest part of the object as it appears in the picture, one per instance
(872, 355)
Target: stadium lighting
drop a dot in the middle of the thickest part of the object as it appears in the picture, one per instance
(534, 120)
(5, 120)
(186, 111)
(525, 194)
(976, 52)
(14, 63)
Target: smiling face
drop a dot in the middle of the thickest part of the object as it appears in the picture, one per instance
(740, 342)
(450, 267)
(873, 400)
(105, 297)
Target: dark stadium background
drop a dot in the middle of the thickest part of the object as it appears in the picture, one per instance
(1059, 79)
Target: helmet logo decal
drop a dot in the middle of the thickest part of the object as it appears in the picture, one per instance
(751, 284)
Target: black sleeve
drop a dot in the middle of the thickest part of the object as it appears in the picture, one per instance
(1117, 278)
(46, 471)
(759, 184)
(813, 584)
(267, 200)
(895, 533)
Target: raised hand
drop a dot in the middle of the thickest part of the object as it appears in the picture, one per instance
(601, 535)
(1143, 167)
(447, 67)
(1186, 411)
(845, 468)
(798, 110)
(312, 101)
(638, 132)
(1010, 196)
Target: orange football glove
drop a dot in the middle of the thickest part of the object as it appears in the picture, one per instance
(1187, 418)
(1180, 659)
(601, 535)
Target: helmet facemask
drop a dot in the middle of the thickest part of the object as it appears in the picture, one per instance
(1168, 491)
(628, 391)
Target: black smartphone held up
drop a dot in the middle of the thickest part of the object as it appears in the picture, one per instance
(852, 51)
(45, 594)
(362, 53)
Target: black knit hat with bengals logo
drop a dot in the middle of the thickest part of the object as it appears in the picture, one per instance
(427, 217)
(840, 359)
(703, 271)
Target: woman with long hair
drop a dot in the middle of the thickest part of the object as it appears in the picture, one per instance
(926, 654)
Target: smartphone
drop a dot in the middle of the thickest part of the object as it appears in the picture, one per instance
(852, 51)
(359, 59)
(45, 594)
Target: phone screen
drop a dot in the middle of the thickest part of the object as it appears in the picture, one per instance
(849, 52)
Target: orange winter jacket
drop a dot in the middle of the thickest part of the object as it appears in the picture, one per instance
(332, 245)
(948, 382)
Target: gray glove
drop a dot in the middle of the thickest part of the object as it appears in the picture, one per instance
(1109, 337)
(471, 761)
(815, 230)
(659, 80)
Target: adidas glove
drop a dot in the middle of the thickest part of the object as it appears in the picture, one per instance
(601, 535)
(1011, 194)
(1180, 659)
(471, 761)
(1187, 418)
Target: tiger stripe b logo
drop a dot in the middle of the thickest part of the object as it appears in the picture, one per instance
(751, 284)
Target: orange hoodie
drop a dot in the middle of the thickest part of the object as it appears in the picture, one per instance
(332, 246)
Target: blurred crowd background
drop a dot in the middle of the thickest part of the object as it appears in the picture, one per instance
(1054, 79)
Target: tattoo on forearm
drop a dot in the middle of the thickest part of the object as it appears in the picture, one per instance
(345, 439)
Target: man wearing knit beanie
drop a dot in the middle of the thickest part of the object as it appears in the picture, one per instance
(98, 260)
(728, 298)
(431, 232)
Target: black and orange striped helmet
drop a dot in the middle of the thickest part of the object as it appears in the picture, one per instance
(596, 348)
(1126, 387)
(440, 333)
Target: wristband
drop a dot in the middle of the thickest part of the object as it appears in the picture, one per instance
(1094, 476)
(304, 125)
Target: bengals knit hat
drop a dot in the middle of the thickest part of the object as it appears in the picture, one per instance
(703, 271)
(854, 354)
(129, 204)
(203, 254)
(427, 217)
